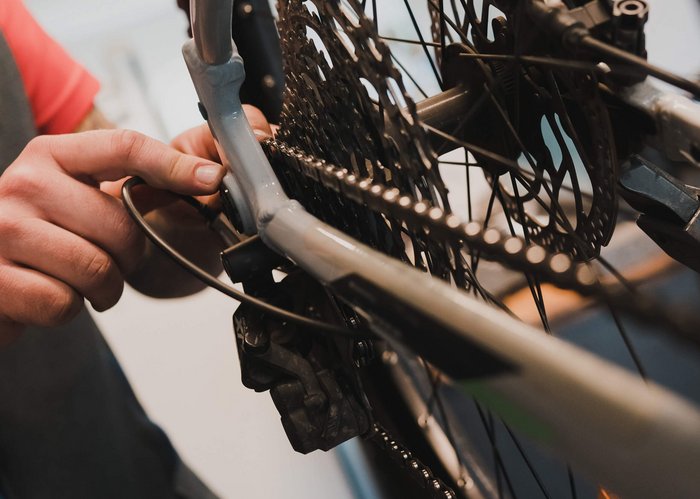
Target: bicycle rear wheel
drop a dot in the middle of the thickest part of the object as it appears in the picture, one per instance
(521, 125)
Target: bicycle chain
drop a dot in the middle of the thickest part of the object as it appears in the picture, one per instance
(410, 463)
(345, 102)
(352, 150)
(511, 251)
(448, 230)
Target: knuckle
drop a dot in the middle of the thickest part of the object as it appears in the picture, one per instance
(123, 226)
(98, 267)
(175, 164)
(39, 143)
(127, 144)
(60, 306)
(21, 181)
(11, 229)
(125, 232)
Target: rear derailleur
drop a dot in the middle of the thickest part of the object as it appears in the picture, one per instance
(311, 376)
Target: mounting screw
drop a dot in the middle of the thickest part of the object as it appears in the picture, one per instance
(245, 9)
(268, 81)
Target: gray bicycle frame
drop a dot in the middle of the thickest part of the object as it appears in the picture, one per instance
(636, 438)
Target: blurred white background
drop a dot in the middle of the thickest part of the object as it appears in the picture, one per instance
(180, 355)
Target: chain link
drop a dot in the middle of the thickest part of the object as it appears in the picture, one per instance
(434, 486)
(448, 230)
(511, 251)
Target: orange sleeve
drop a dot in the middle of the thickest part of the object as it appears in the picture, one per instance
(60, 91)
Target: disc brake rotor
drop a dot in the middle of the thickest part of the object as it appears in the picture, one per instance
(556, 124)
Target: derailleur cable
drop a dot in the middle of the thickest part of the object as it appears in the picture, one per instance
(213, 281)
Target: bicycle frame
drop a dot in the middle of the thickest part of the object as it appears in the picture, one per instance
(636, 438)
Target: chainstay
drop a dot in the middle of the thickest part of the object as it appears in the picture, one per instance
(510, 251)
(434, 486)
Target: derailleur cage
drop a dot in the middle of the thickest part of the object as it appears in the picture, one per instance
(311, 378)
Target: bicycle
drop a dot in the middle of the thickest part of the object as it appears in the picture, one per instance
(384, 189)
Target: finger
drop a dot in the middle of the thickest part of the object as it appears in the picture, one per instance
(197, 141)
(80, 209)
(108, 155)
(257, 121)
(33, 298)
(60, 254)
(145, 197)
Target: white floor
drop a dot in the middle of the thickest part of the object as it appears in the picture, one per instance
(179, 354)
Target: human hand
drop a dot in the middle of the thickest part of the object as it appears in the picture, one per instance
(180, 225)
(62, 239)
(198, 141)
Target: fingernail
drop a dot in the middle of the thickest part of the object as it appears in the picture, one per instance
(208, 174)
